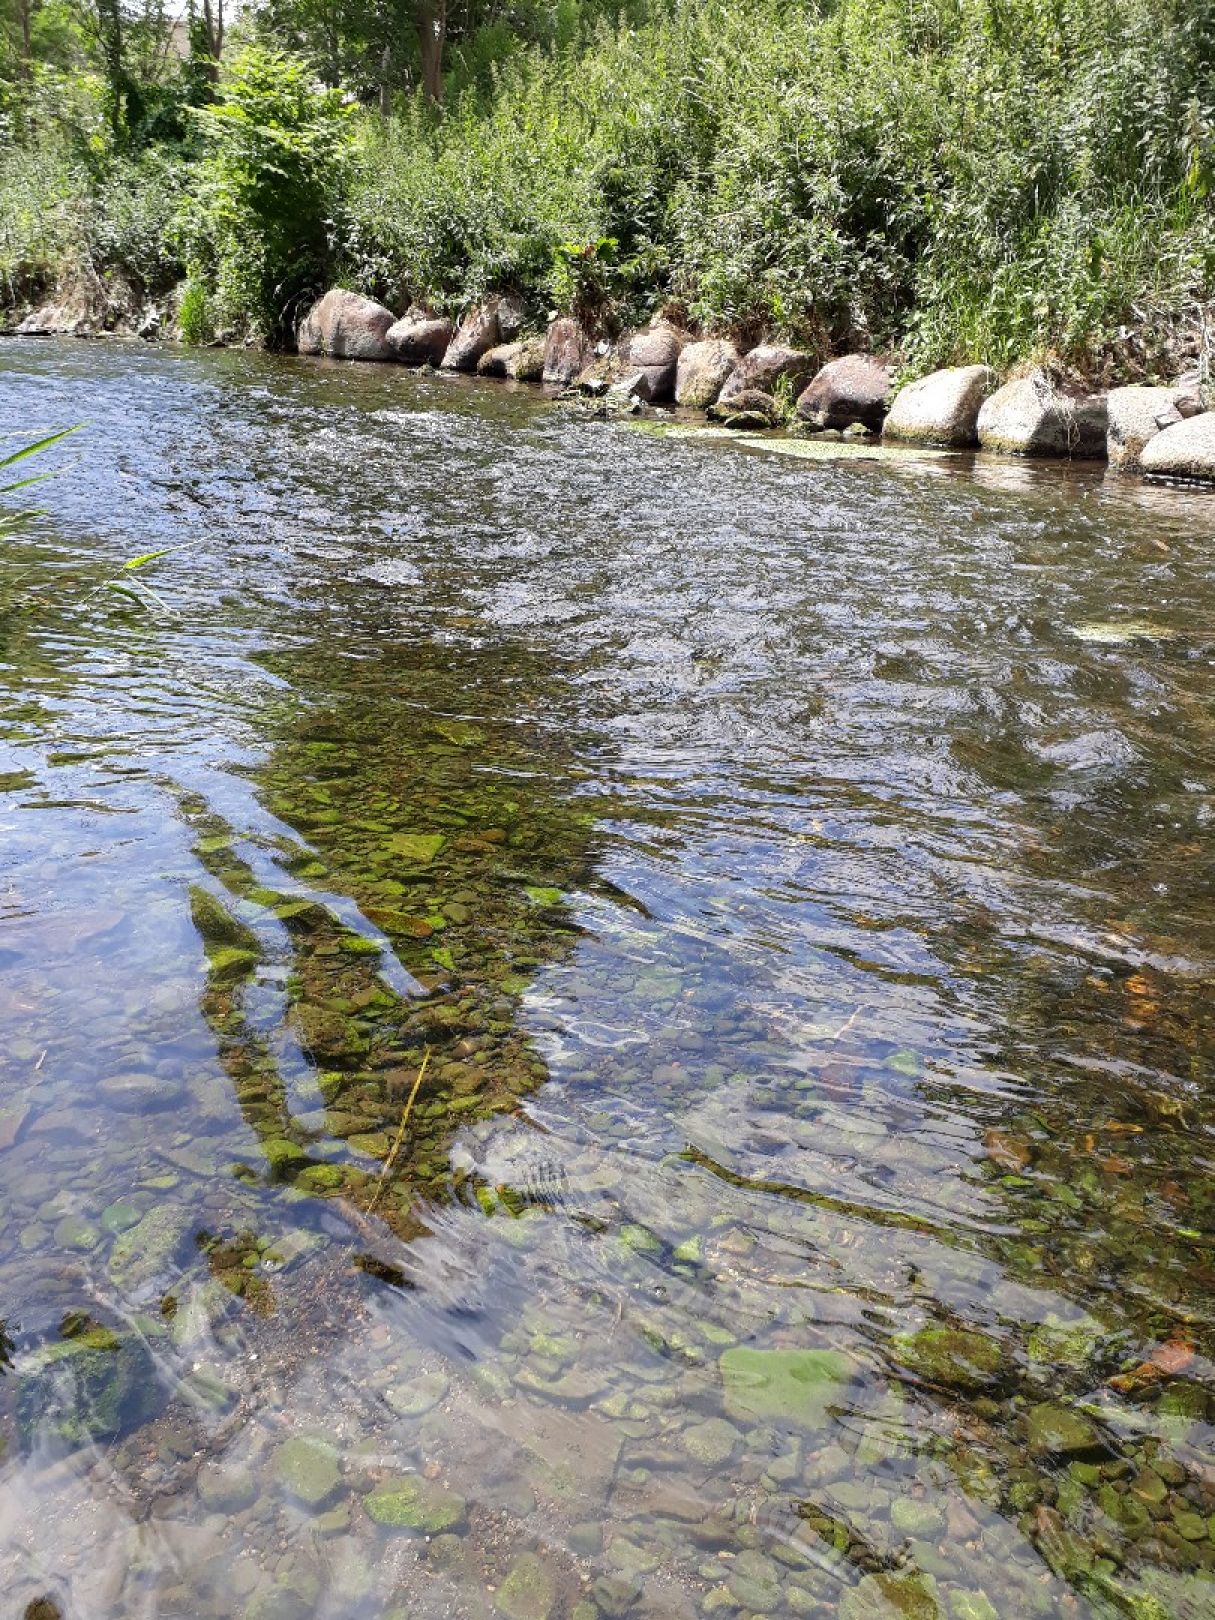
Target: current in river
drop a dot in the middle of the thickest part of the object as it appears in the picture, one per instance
(597, 1021)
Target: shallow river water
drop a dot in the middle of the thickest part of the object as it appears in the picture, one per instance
(791, 880)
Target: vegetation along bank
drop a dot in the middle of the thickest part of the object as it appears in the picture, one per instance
(986, 189)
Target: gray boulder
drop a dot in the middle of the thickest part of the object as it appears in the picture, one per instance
(655, 353)
(1138, 414)
(1032, 416)
(420, 338)
(764, 367)
(942, 408)
(749, 408)
(568, 349)
(855, 388)
(511, 312)
(348, 326)
(702, 372)
(1185, 450)
(476, 334)
(522, 360)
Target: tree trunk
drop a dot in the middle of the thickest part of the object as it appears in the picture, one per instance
(27, 51)
(432, 33)
(213, 24)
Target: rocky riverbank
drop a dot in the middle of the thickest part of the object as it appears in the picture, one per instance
(1164, 432)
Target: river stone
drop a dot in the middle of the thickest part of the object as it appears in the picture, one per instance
(1032, 416)
(348, 326)
(74, 1232)
(529, 1590)
(942, 408)
(91, 1387)
(1057, 1431)
(891, 1597)
(418, 1395)
(496, 362)
(476, 334)
(702, 372)
(140, 1093)
(567, 351)
(144, 1256)
(711, 1442)
(419, 338)
(655, 354)
(1185, 450)
(754, 1581)
(954, 1358)
(750, 409)
(307, 1470)
(793, 1386)
(852, 389)
(412, 1502)
(226, 1490)
(327, 1036)
(763, 368)
(912, 1517)
(1137, 414)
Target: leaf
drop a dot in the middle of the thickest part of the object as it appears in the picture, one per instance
(41, 444)
(146, 557)
(129, 591)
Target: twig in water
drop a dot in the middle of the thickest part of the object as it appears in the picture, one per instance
(396, 1146)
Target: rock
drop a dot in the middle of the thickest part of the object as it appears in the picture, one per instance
(412, 1502)
(308, 1471)
(750, 409)
(512, 312)
(703, 371)
(476, 334)
(711, 1442)
(140, 1093)
(1185, 450)
(954, 1358)
(93, 1386)
(145, 1255)
(568, 350)
(1057, 1431)
(764, 368)
(1032, 416)
(529, 1590)
(855, 388)
(796, 1386)
(420, 338)
(912, 1517)
(528, 363)
(942, 408)
(74, 1232)
(12, 1117)
(348, 326)
(754, 1582)
(1136, 415)
(497, 362)
(654, 354)
(891, 1597)
(215, 923)
(418, 1395)
(327, 1036)
(226, 1490)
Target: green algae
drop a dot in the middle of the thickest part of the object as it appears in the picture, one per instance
(415, 1503)
(793, 1386)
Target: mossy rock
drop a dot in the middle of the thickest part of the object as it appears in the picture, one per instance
(1056, 1431)
(144, 1254)
(327, 1036)
(307, 1470)
(94, 1386)
(790, 1386)
(226, 1490)
(953, 1358)
(529, 1590)
(892, 1597)
(216, 925)
(414, 1503)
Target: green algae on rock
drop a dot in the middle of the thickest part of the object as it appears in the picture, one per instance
(307, 1470)
(93, 1386)
(954, 1358)
(412, 1502)
(793, 1386)
(529, 1590)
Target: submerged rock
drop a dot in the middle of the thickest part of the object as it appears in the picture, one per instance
(94, 1386)
(1057, 1431)
(954, 1358)
(852, 389)
(1032, 416)
(136, 1093)
(942, 408)
(529, 1590)
(892, 1597)
(307, 1470)
(420, 338)
(796, 1386)
(751, 408)
(1185, 450)
(412, 1502)
(703, 371)
(144, 1256)
(348, 326)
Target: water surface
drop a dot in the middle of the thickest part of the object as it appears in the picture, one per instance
(793, 883)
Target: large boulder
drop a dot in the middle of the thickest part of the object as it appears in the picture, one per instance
(420, 338)
(1137, 414)
(751, 408)
(347, 326)
(942, 408)
(703, 371)
(522, 360)
(511, 312)
(1032, 416)
(855, 388)
(1185, 450)
(764, 368)
(655, 353)
(476, 334)
(567, 350)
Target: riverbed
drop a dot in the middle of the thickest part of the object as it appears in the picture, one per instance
(595, 1021)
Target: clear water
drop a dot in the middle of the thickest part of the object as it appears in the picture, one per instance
(796, 878)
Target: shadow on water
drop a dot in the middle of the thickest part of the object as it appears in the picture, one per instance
(794, 881)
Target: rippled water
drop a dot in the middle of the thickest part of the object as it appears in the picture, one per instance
(793, 882)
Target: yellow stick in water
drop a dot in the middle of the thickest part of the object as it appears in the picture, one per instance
(396, 1146)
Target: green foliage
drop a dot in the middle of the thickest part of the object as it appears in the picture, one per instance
(194, 324)
(267, 188)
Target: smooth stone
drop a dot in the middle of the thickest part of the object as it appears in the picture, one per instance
(418, 1395)
(1185, 450)
(1032, 416)
(711, 1442)
(226, 1490)
(140, 1093)
(529, 1590)
(1057, 1431)
(796, 1386)
(955, 1358)
(412, 1502)
(307, 1470)
(348, 326)
(942, 408)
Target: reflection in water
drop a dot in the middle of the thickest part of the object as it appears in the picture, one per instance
(806, 1206)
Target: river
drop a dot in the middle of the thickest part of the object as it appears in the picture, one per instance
(595, 1021)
